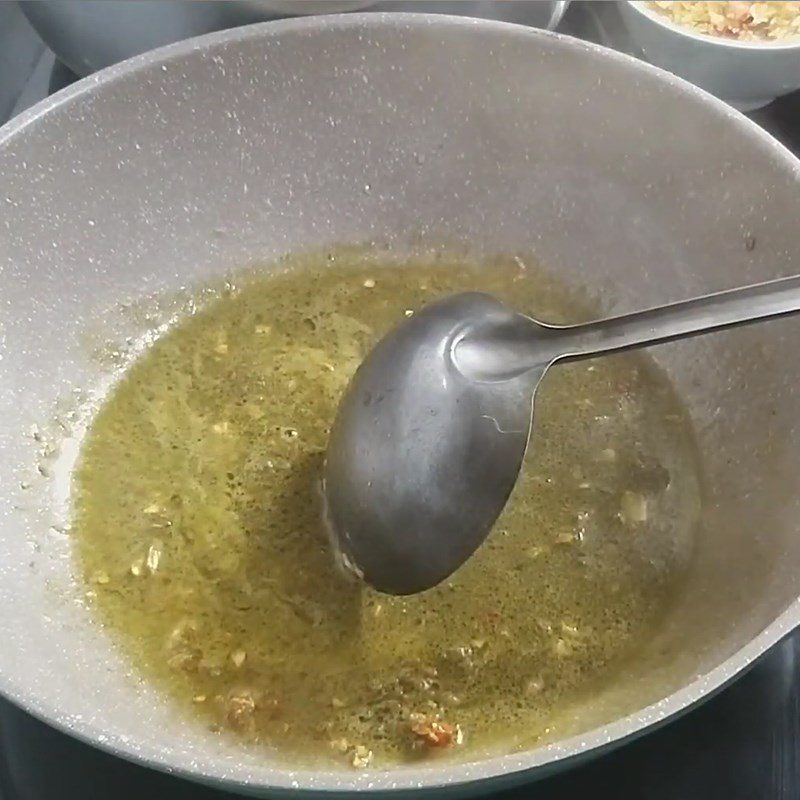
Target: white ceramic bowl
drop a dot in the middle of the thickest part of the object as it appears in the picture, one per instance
(747, 75)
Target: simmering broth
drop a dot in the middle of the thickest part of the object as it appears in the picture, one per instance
(197, 525)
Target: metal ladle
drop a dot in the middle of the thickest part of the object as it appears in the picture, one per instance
(431, 433)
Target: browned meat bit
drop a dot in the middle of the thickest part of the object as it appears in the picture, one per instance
(241, 707)
(434, 732)
(494, 617)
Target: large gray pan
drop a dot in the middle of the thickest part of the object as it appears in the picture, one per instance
(414, 131)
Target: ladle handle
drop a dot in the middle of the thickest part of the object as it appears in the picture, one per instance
(714, 312)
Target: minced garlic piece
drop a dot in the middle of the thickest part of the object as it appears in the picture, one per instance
(361, 757)
(633, 508)
(562, 648)
(153, 557)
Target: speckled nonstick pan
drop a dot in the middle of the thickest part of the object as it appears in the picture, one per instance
(415, 132)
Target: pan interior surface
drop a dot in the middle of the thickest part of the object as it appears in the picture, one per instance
(418, 134)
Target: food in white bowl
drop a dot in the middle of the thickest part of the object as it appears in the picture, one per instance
(744, 22)
(744, 53)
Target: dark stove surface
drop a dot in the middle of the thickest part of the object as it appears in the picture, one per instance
(743, 744)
